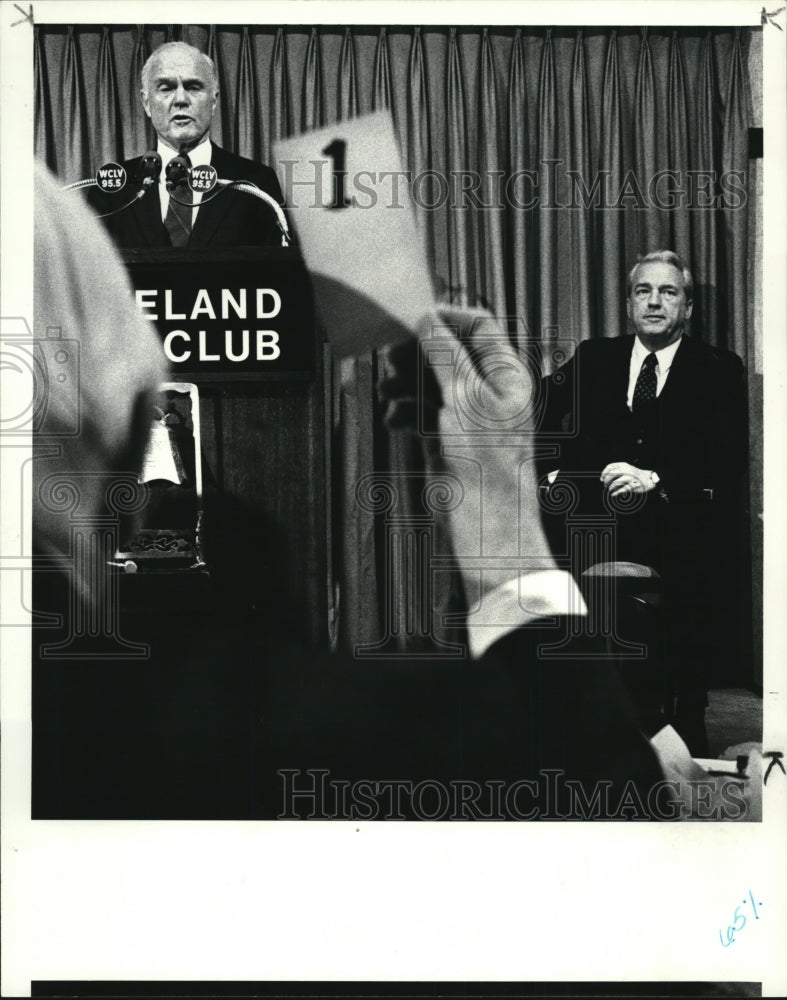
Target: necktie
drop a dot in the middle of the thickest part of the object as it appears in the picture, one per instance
(178, 219)
(645, 389)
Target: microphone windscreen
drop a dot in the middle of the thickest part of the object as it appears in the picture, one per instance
(177, 171)
(150, 166)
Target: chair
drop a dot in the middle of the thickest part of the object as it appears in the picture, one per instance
(628, 598)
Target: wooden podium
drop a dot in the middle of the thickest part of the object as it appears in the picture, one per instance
(240, 324)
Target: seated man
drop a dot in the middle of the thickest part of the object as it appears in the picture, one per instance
(658, 440)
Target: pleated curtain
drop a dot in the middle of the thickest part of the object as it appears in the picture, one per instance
(579, 143)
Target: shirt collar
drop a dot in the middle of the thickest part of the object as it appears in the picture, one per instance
(199, 156)
(664, 357)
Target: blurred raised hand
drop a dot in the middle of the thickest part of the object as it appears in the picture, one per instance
(469, 394)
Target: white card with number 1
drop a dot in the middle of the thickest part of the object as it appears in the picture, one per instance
(350, 204)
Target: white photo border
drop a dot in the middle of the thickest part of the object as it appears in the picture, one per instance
(464, 902)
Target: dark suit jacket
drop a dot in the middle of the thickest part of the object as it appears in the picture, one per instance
(227, 219)
(694, 437)
(697, 440)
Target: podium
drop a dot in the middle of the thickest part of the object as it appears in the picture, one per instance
(240, 324)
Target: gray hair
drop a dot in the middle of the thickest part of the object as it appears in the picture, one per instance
(663, 257)
(175, 47)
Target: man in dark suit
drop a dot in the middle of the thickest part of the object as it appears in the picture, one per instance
(654, 431)
(179, 91)
(179, 95)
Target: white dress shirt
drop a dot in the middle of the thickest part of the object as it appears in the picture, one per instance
(199, 156)
(545, 593)
(664, 359)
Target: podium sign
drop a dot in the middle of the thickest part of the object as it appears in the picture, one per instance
(240, 322)
(228, 314)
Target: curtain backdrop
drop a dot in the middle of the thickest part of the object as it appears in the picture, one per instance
(618, 108)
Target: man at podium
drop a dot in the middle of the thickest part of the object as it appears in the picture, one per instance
(179, 95)
(189, 203)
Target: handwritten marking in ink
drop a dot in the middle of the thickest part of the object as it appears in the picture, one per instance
(768, 18)
(739, 920)
(29, 16)
(776, 759)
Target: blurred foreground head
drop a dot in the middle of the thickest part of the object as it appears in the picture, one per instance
(97, 418)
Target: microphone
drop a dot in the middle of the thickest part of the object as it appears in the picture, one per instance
(177, 171)
(149, 168)
(110, 178)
